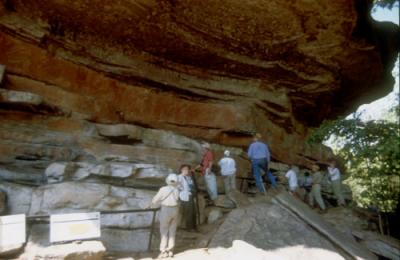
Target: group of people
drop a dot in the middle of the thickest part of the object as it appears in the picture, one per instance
(260, 157)
(227, 167)
(312, 184)
(179, 195)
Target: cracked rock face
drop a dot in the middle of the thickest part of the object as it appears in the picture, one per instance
(214, 70)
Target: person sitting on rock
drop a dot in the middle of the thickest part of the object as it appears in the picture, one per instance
(335, 178)
(228, 171)
(187, 194)
(210, 179)
(260, 158)
(315, 194)
(168, 197)
(291, 175)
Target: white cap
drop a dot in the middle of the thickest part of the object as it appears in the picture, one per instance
(172, 179)
(205, 145)
(227, 153)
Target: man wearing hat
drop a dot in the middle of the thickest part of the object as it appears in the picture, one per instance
(260, 157)
(168, 197)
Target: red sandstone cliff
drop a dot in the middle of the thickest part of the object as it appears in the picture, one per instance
(213, 70)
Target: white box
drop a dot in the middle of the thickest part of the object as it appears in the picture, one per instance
(74, 226)
(12, 230)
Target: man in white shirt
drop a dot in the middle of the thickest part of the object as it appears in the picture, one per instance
(335, 178)
(291, 175)
(228, 172)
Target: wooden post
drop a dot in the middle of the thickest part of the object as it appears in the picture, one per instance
(152, 229)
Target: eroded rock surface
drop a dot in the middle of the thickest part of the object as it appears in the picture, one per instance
(215, 71)
(267, 226)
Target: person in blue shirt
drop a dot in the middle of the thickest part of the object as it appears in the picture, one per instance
(260, 157)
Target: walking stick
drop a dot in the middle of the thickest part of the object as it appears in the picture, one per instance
(197, 198)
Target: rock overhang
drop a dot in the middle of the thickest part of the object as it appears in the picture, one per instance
(216, 71)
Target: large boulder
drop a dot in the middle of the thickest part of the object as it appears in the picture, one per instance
(268, 226)
(18, 197)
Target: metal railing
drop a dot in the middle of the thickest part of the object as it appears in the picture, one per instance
(45, 218)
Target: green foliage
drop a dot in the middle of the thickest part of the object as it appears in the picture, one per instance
(371, 151)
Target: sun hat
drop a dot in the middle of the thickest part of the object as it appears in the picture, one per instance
(172, 179)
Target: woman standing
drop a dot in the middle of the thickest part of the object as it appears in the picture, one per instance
(187, 195)
(168, 197)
